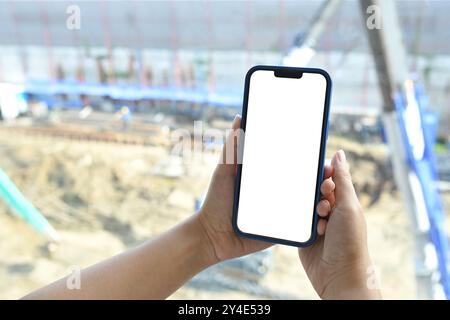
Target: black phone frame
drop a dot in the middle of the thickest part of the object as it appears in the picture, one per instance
(290, 72)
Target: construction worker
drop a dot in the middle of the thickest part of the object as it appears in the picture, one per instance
(124, 114)
(337, 264)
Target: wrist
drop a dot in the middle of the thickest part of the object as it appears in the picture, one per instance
(205, 245)
(356, 281)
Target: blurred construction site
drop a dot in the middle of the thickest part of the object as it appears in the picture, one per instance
(91, 92)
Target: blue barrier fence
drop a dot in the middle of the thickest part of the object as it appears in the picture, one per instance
(423, 164)
(133, 92)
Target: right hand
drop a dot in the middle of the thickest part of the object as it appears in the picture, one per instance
(338, 263)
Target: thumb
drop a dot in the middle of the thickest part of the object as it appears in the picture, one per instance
(229, 156)
(344, 191)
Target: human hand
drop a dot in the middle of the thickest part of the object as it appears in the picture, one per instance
(338, 263)
(215, 214)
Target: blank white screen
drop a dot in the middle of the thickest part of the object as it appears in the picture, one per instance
(281, 155)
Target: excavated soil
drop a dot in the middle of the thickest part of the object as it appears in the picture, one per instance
(103, 198)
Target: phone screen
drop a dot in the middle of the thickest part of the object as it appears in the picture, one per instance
(284, 126)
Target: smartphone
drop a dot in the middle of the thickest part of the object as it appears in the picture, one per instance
(284, 122)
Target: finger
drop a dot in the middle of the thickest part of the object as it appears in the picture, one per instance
(323, 208)
(327, 171)
(236, 122)
(321, 227)
(344, 190)
(331, 199)
(228, 157)
(327, 187)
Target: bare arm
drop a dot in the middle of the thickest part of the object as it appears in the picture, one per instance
(153, 270)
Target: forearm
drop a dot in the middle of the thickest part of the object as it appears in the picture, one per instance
(154, 270)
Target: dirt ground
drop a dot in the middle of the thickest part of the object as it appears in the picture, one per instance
(103, 198)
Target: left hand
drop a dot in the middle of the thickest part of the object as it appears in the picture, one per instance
(215, 214)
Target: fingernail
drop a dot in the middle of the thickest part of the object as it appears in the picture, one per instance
(341, 156)
(237, 116)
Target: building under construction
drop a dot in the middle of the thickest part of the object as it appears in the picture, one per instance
(209, 46)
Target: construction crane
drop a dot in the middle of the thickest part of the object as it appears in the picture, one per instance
(303, 49)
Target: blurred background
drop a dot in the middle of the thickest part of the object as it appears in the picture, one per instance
(90, 92)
